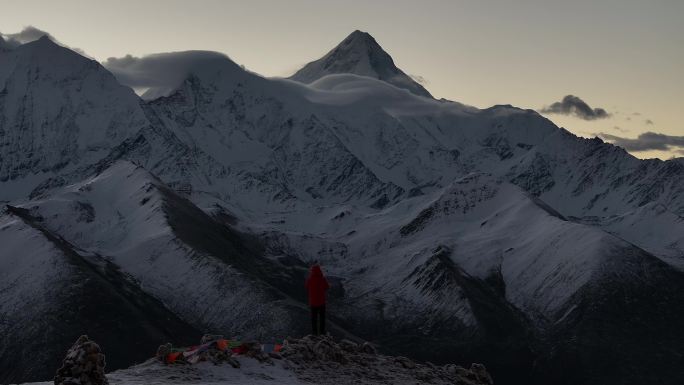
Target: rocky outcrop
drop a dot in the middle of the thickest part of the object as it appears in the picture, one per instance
(322, 360)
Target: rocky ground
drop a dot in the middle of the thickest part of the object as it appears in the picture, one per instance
(321, 360)
(309, 360)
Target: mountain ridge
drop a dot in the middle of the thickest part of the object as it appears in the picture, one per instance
(406, 200)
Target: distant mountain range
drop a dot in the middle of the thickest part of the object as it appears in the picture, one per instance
(451, 233)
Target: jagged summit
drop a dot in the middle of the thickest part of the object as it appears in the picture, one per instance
(359, 54)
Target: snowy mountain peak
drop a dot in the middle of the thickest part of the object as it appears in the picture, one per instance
(61, 108)
(359, 54)
(43, 43)
(361, 38)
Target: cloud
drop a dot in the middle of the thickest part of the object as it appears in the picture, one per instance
(618, 128)
(648, 121)
(27, 35)
(646, 142)
(572, 105)
(162, 70)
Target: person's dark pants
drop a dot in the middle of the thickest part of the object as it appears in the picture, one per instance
(318, 319)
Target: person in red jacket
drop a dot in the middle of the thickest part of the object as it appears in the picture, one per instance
(316, 285)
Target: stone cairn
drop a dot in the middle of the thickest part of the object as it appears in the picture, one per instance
(84, 364)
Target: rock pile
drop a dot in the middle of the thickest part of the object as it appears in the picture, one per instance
(84, 364)
(314, 358)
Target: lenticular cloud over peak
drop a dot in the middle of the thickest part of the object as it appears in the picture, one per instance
(161, 70)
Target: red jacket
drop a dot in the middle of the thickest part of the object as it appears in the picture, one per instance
(316, 285)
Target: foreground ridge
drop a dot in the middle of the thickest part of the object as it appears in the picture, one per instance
(322, 360)
(309, 360)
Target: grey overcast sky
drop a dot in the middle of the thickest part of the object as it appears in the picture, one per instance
(625, 57)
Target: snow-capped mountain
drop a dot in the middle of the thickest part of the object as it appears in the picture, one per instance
(492, 235)
(483, 263)
(168, 245)
(57, 110)
(381, 145)
(359, 54)
(123, 233)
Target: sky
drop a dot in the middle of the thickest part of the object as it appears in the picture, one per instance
(613, 68)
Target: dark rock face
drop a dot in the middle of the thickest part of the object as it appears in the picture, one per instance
(84, 364)
(537, 177)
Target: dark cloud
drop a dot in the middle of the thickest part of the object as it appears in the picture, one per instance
(618, 128)
(648, 121)
(163, 70)
(572, 105)
(646, 142)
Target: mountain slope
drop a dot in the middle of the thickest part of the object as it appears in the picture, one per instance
(359, 54)
(625, 319)
(276, 150)
(52, 293)
(482, 270)
(169, 246)
(416, 144)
